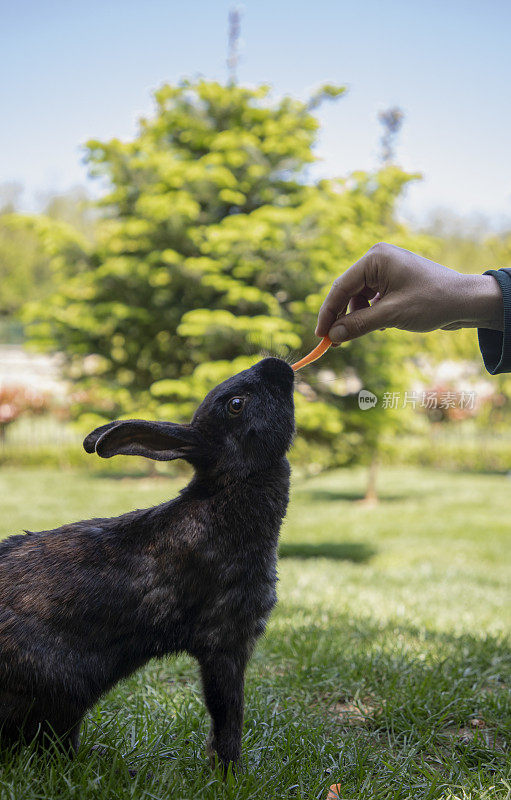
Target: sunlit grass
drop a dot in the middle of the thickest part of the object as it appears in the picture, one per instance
(385, 667)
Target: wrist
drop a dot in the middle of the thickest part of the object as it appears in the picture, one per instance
(485, 302)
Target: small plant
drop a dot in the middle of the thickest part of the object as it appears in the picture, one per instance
(18, 400)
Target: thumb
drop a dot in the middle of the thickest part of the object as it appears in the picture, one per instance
(358, 323)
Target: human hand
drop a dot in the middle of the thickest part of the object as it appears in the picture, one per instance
(393, 288)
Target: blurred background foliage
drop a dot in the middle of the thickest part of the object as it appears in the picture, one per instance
(212, 244)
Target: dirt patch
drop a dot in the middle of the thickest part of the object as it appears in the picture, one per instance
(264, 670)
(493, 688)
(476, 730)
(355, 713)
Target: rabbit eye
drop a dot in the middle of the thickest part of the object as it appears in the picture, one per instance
(235, 405)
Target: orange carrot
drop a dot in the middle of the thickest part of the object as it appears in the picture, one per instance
(313, 355)
(334, 793)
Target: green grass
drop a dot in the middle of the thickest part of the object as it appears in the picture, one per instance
(385, 667)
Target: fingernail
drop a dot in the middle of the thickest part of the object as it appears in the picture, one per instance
(338, 334)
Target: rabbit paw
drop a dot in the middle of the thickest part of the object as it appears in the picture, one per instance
(223, 756)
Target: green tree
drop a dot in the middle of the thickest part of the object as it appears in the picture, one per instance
(215, 243)
(38, 250)
(36, 254)
(73, 207)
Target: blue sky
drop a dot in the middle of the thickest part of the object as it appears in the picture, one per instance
(76, 70)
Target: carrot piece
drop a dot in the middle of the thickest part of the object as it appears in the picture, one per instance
(313, 355)
(334, 793)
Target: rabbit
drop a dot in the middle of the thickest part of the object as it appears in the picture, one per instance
(86, 604)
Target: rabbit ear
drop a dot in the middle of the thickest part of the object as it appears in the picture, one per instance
(89, 443)
(161, 441)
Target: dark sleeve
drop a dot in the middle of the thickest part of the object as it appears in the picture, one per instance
(495, 346)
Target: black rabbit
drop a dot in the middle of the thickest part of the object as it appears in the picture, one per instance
(86, 604)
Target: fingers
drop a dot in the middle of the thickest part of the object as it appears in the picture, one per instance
(355, 281)
(362, 321)
(357, 303)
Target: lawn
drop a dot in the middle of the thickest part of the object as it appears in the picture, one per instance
(385, 667)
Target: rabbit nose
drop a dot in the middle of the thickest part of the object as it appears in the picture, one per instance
(277, 370)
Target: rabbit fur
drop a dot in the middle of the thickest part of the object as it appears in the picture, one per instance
(86, 604)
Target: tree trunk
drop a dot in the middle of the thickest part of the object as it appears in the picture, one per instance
(371, 495)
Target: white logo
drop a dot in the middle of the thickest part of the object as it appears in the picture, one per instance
(366, 400)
